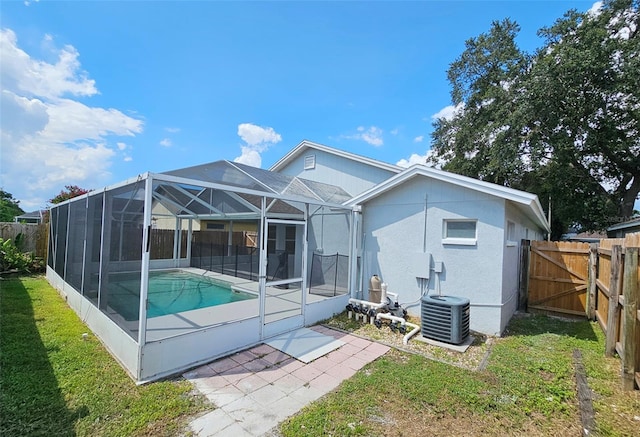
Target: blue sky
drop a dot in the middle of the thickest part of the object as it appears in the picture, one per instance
(94, 93)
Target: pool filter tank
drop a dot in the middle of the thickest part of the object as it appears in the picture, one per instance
(375, 289)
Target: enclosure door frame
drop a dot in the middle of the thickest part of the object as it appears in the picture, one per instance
(272, 328)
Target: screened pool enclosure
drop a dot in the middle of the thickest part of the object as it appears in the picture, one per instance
(174, 269)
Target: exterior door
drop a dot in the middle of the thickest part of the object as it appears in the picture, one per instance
(284, 280)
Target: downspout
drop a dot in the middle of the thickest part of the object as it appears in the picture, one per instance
(353, 264)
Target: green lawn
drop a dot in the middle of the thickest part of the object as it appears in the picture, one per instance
(528, 388)
(55, 383)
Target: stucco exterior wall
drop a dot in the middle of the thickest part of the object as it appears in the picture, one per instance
(523, 228)
(354, 177)
(396, 230)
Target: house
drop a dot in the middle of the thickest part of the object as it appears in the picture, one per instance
(142, 262)
(424, 230)
(621, 229)
(36, 217)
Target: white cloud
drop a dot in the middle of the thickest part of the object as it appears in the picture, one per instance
(172, 130)
(418, 139)
(166, 142)
(48, 139)
(413, 159)
(121, 146)
(595, 9)
(258, 136)
(257, 139)
(394, 131)
(23, 74)
(448, 112)
(127, 158)
(417, 159)
(249, 157)
(370, 135)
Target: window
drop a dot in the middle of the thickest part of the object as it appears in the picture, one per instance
(290, 239)
(215, 226)
(309, 162)
(461, 232)
(511, 234)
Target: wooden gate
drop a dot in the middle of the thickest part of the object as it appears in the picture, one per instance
(558, 276)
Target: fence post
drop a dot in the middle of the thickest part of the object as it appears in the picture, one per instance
(593, 274)
(523, 292)
(236, 265)
(613, 316)
(631, 289)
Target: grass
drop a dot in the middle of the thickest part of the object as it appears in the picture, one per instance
(528, 388)
(55, 383)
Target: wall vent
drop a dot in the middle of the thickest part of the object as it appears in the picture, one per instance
(445, 318)
(309, 162)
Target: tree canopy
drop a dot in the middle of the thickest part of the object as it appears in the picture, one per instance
(69, 192)
(9, 207)
(563, 122)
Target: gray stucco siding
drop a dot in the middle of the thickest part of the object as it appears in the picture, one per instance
(395, 233)
(354, 177)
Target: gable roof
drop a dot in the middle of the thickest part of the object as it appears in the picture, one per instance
(528, 201)
(306, 145)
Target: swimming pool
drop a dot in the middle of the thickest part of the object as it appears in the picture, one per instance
(170, 292)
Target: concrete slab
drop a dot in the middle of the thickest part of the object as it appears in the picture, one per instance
(305, 344)
(454, 347)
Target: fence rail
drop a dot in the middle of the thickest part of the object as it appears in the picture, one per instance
(601, 281)
(614, 289)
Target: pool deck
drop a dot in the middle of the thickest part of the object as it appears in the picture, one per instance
(280, 304)
(256, 389)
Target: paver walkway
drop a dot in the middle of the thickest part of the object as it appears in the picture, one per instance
(256, 389)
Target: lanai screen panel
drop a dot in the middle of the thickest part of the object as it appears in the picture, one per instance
(93, 255)
(119, 295)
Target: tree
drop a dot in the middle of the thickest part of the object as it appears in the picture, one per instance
(9, 207)
(69, 192)
(563, 123)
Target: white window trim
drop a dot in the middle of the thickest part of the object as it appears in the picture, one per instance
(460, 241)
(511, 243)
(457, 240)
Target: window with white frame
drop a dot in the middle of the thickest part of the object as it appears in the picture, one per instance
(460, 231)
(511, 234)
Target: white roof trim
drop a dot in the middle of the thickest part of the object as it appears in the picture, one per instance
(305, 144)
(521, 197)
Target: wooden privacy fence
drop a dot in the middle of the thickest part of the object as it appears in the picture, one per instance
(600, 281)
(34, 236)
(558, 276)
(614, 295)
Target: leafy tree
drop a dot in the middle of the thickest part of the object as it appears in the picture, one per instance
(69, 192)
(563, 123)
(9, 207)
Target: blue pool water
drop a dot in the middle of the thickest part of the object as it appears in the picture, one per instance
(170, 292)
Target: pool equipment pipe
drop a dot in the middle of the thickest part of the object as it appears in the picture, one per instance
(403, 324)
(357, 306)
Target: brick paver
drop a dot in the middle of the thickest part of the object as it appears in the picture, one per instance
(256, 389)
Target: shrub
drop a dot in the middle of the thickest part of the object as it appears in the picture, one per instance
(11, 258)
